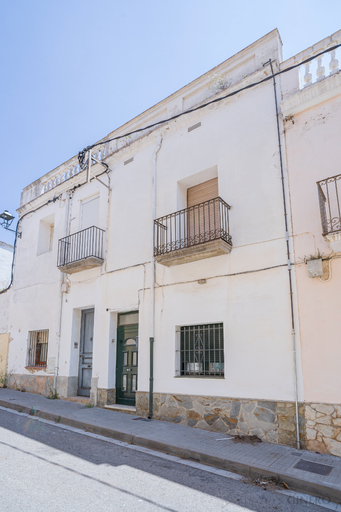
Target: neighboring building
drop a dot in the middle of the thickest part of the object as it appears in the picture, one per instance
(101, 289)
(6, 258)
(312, 136)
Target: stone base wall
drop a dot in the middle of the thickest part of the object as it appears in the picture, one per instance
(106, 397)
(323, 423)
(270, 421)
(39, 384)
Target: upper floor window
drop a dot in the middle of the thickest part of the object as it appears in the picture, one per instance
(46, 235)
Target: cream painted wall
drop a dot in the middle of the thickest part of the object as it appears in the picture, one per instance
(313, 143)
(4, 342)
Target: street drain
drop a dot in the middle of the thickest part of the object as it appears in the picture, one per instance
(313, 467)
(141, 419)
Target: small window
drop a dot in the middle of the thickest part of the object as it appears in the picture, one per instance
(46, 234)
(37, 348)
(201, 351)
(128, 318)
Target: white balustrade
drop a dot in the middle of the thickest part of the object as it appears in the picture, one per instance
(317, 69)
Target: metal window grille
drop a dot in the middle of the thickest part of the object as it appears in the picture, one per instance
(202, 350)
(37, 348)
(329, 191)
(195, 225)
(83, 244)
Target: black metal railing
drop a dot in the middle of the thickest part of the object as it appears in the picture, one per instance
(84, 244)
(191, 226)
(329, 199)
(201, 350)
(37, 348)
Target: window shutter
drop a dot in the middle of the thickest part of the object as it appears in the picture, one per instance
(202, 192)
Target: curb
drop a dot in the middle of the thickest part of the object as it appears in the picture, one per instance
(324, 490)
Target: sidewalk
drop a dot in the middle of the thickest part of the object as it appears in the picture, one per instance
(321, 476)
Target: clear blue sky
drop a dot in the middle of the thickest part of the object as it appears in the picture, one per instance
(74, 70)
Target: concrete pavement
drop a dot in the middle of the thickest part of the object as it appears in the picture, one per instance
(317, 474)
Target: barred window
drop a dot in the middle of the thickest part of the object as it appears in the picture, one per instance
(202, 350)
(37, 348)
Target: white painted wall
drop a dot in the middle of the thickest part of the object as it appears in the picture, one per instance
(6, 257)
(237, 142)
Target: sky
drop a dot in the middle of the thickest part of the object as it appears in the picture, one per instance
(74, 70)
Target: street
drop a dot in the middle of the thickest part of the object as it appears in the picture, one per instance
(48, 467)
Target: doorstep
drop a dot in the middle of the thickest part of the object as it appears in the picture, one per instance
(84, 400)
(128, 409)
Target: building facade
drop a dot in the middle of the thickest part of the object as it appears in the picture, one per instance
(157, 265)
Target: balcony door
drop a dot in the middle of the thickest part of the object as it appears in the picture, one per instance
(85, 353)
(203, 218)
(90, 212)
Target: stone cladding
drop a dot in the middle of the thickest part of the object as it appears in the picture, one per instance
(323, 425)
(271, 421)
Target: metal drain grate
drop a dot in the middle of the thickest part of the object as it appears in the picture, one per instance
(296, 454)
(313, 467)
(141, 419)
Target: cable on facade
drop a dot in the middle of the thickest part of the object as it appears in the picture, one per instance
(81, 154)
(16, 237)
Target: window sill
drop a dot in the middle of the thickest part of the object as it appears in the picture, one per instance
(215, 377)
(35, 367)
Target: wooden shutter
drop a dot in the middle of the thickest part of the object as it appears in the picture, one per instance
(203, 221)
(90, 212)
(202, 192)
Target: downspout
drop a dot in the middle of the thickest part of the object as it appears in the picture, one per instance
(152, 284)
(298, 444)
(61, 292)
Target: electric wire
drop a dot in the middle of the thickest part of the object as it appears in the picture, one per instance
(81, 154)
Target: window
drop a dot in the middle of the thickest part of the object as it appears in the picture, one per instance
(201, 351)
(46, 234)
(37, 348)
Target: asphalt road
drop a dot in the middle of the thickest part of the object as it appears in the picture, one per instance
(44, 467)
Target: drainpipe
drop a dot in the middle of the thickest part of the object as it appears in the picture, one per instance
(61, 291)
(298, 444)
(152, 284)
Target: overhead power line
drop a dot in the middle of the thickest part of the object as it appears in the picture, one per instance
(81, 154)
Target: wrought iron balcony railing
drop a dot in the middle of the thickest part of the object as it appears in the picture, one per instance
(196, 225)
(79, 247)
(329, 198)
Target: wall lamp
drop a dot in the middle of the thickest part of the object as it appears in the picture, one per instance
(6, 221)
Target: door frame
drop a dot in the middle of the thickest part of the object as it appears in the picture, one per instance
(119, 369)
(84, 391)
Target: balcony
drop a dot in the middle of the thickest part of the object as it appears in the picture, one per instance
(81, 251)
(201, 231)
(329, 199)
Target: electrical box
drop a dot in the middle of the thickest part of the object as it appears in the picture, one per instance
(315, 268)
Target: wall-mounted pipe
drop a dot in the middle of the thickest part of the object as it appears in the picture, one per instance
(152, 283)
(298, 443)
(69, 197)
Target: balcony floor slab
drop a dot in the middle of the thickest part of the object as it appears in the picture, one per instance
(79, 266)
(194, 253)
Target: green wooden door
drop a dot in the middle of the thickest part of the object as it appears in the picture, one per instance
(126, 366)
